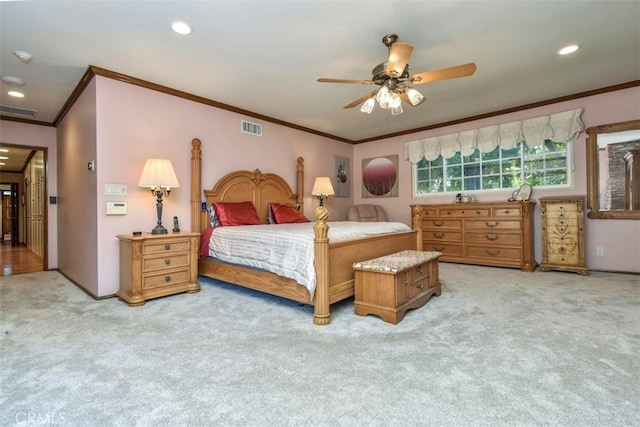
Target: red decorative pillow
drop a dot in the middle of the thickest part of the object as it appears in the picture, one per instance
(286, 214)
(242, 213)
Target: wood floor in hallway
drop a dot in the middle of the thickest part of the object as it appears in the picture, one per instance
(18, 260)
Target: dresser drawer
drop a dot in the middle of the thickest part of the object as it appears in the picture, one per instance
(442, 236)
(446, 249)
(515, 212)
(429, 213)
(554, 208)
(173, 245)
(513, 254)
(466, 213)
(495, 238)
(438, 224)
(157, 280)
(494, 224)
(169, 261)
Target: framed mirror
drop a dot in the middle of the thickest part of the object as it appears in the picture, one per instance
(613, 171)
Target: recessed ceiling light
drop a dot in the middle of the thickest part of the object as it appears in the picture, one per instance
(16, 94)
(568, 49)
(2, 164)
(23, 56)
(4, 158)
(12, 81)
(4, 150)
(181, 28)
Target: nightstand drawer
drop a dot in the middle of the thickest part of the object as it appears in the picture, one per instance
(173, 245)
(150, 281)
(169, 261)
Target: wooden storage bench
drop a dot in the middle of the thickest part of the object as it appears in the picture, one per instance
(390, 285)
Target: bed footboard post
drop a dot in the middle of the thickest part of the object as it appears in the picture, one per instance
(321, 314)
(196, 186)
(416, 224)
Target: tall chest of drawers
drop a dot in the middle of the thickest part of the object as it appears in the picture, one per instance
(563, 234)
(156, 265)
(495, 234)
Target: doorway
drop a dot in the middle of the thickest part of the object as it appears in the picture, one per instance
(23, 218)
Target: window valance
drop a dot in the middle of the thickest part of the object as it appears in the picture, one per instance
(562, 126)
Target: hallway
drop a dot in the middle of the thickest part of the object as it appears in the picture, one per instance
(18, 260)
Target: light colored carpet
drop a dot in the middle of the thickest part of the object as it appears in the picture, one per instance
(498, 347)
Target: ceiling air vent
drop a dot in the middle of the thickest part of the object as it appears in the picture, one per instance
(5, 109)
(252, 128)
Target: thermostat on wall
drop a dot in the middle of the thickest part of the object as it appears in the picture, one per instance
(116, 208)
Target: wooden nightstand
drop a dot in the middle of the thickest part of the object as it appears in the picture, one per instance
(156, 265)
(390, 285)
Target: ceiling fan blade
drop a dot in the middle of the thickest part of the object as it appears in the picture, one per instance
(443, 74)
(399, 54)
(362, 82)
(361, 99)
(405, 97)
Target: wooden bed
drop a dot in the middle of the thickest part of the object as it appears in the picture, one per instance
(333, 261)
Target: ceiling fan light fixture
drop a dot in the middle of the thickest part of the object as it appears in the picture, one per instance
(367, 107)
(396, 111)
(415, 97)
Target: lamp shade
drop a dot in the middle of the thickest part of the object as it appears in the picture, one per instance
(158, 173)
(322, 187)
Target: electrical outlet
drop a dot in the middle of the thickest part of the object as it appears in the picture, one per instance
(599, 251)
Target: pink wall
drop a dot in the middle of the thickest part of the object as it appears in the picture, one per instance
(620, 238)
(77, 221)
(41, 137)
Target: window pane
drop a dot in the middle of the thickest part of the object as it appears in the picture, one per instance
(510, 181)
(454, 171)
(490, 168)
(455, 160)
(472, 158)
(490, 181)
(454, 185)
(472, 183)
(492, 155)
(472, 169)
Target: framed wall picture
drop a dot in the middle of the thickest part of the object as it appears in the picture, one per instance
(380, 177)
(342, 177)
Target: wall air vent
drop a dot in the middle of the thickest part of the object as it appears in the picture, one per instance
(252, 128)
(15, 111)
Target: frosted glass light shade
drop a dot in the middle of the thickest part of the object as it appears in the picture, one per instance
(367, 107)
(158, 173)
(322, 187)
(414, 96)
(396, 111)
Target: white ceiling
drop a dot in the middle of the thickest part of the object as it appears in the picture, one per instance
(265, 56)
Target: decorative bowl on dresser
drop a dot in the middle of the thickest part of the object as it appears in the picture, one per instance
(157, 265)
(495, 234)
(563, 234)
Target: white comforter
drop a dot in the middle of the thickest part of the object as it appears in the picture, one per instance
(287, 249)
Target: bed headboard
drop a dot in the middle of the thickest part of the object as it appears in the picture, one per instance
(240, 186)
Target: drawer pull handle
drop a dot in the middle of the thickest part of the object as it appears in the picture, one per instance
(421, 285)
(167, 247)
(492, 253)
(492, 238)
(420, 269)
(167, 278)
(167, 261)
(438, 223)
(439, 248)
(492, 224)
(506, 212)
(477, 212)
(438, 235)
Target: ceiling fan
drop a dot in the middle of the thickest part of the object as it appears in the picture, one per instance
(394, 79)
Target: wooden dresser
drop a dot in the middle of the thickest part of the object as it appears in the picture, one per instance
(495, 234)
(156, 265)
(563, 234)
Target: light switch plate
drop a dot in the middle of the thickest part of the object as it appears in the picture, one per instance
(115, 189)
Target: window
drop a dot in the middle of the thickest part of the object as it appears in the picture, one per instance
(545, 166)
